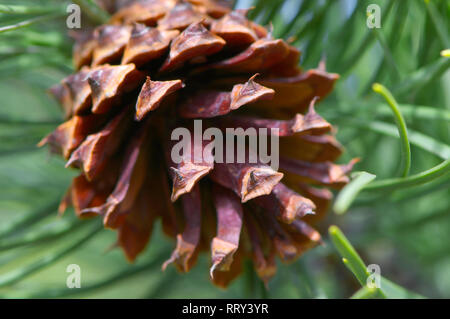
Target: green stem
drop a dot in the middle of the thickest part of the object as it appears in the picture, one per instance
(401, 126)
(413, 180)
(348, 194)
(347, 252)
(365, 293)
(350, 257)
(439, 184)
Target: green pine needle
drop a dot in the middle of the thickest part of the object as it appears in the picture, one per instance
(349, 193)
(401, 125)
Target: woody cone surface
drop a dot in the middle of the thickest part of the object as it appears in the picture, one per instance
(160, 64)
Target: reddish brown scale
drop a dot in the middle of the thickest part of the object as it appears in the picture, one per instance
(224, 278)
(235, 29)
(109, 82)
(169, 215)
(187, 241)
(195, 41)
(180, 17)
(249, 92)
(265, 266)
(325, 173)
(147, 44)
(246, 180)
(152, 94)
(96, 149)
(296, 92)
(84, 193)
(311, 148)
(260, 56)
(83, 48)
(136, 228)
(321, 197)
(306, 230)
(132, 177)
(286, 204)
(74, 93)
(69, 135)
(79, 91)
(215, 9)
(229, 225)
(110, 43)
(135, 231)
(62, 94)
(147, 12)
(311, 123)
(303, 236)
(192, 167)
(284, 245)
(293, 94)
(207, 104)
(289, 66)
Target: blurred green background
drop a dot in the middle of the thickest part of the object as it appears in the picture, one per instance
(405, 230)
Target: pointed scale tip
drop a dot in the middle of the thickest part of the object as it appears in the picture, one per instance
(167, 263)
(212, 269)
(258, 182)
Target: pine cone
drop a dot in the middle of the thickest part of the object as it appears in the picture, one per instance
(160, 64)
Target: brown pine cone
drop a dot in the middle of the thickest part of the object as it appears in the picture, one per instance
(161, 64)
